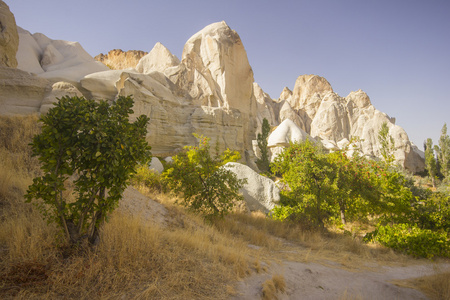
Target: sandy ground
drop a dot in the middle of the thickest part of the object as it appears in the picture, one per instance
(317, 281)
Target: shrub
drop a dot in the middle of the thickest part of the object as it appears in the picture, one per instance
(199, 178)
(147, 177)
(93, 146)
(411, 240)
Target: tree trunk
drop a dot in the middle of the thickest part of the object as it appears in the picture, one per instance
(343, 216)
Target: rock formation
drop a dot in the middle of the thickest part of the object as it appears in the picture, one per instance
(9, 39)
(21, 92)
(159, 59)
(55, 60)
(337, 120)
(118, 60)
(58, 90)
(211, 91)
(260, 193)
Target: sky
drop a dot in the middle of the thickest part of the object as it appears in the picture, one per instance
(397, 51)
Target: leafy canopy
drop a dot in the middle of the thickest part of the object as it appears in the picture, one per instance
(93, 147)
(332, 186)
(202, 181)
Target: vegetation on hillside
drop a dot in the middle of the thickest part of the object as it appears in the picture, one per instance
(332, 188)
(185, 257)
(201, 181)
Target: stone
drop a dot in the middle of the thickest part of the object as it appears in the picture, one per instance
(120, 60)
(158, 59)
(9, 38)
(260, 193)
(21, 92)
(156, 165)
(58, 90)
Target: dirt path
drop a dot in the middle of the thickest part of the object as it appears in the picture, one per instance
(317, 281)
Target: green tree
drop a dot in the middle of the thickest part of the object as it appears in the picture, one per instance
(443, 152)
(327, 187)
(306, 170)
(263, 162)
(354, 185)
(430, 161)
(202, 181)
(387, 144)
(93, 147)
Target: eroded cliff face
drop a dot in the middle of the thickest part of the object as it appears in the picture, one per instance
(335, 120)
(210, 91)
(9, 39)
(119, 60)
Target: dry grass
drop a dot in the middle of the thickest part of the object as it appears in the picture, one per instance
(271, 287)
(436, 286)
(186, 259)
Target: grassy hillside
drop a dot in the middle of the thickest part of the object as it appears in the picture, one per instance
(181, 258)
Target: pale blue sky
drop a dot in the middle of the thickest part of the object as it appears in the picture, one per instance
(397, 51)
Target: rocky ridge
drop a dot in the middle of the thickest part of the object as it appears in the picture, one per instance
(117, 59)
(210, 91)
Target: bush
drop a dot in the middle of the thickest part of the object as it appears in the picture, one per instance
(411, 240)
(147, 177)
(199, 178)
(93, 147)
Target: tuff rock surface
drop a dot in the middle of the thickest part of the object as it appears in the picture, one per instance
(55, 60)
(211, 91)
(260, 193)
(158, 59)
(9, 39)
(118, 60)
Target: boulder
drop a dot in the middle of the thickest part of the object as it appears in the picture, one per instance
(260, 193)
(9, 38)
(158, 59)
(156, 165)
